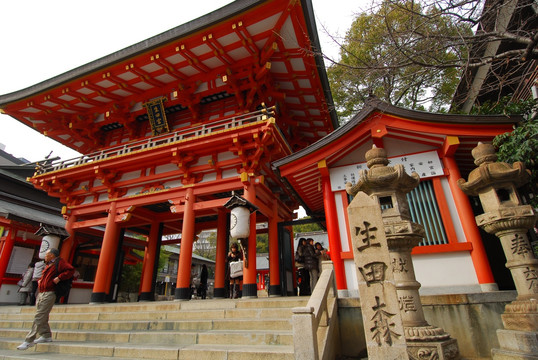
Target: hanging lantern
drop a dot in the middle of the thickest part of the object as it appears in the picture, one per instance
(48, 242)
(240, 216)
(52, 236)
(240, 222)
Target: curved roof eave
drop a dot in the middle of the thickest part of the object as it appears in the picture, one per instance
(318, 56)
(374, 104)
(183, 30)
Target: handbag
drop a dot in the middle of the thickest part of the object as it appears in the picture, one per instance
(20, 283)
(236, 269)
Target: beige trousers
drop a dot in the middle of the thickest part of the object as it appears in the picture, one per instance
(44, 304)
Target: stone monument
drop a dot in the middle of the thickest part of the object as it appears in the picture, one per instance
(496, 183)
(383, 237)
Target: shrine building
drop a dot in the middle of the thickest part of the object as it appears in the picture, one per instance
(171, 127)
(455, 256)
(237, 103)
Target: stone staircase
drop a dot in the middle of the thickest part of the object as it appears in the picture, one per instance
(225, 329)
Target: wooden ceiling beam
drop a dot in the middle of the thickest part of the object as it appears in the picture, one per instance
(144, 75)
(218, 51)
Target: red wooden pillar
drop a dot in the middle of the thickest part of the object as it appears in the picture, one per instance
(148, 268)
(275, 288)
(467, 218)
(7, 249)
(183, 285)
(68, 245)
(250, 289)
(333, 230)
(105, 266)
(470, 229)
(220, 261)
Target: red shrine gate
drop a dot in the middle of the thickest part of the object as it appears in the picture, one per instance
(172, 126)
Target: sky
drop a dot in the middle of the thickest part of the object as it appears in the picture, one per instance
(42, 39)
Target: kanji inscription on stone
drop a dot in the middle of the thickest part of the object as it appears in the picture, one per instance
(367, 234)
(379, 301)
(382, 331)
(532, 279)
(373, 272)
(399, 265)
(520, 245)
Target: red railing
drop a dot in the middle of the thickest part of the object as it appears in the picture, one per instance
(159, 140)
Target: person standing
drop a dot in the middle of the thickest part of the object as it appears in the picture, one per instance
(26, 286)
(38, 271)
(203, 282)
(311, 263)
(235, 282)
(322, 254)
(303, 278)
(56, 270)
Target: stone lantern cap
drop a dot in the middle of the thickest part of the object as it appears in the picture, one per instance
(490, 172)
(381, 177)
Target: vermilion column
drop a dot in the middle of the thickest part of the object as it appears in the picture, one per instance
(274, 265)
(105, 266)
(470, 229)
(333, 230)
(250, 290)
(183, 287)
(68, 245)
(6, 251)
(148, 268)
(220, 261)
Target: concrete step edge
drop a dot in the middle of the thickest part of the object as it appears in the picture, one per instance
(73, 345)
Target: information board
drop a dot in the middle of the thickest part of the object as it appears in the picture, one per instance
(21, 257)
(426, 164)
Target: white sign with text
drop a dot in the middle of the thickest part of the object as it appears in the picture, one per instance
(426, 164)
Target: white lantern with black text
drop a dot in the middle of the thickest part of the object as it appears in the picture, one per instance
(49, 242)
(240, 222)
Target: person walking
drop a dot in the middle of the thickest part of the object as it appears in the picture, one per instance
(56, 270)
(26, 285)
(38, 271)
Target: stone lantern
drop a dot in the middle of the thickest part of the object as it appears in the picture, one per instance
(387, 186)
(496, 183)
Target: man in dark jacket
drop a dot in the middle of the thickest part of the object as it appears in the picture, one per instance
(311, 263)
(56, 270)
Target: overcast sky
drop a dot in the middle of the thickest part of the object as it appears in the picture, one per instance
(42, 39)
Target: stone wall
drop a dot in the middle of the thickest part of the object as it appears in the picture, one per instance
(472, 319)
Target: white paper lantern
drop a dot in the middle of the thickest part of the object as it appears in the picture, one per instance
(48, 242)
(240, 222)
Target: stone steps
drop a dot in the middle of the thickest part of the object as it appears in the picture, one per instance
(197, 329)
(88, 350)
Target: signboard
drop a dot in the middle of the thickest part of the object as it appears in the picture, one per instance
(157, 116)
(21, 257)
(426, 164)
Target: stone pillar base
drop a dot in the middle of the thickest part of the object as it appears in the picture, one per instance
(516, 345)
(521, 315)
(442, 350)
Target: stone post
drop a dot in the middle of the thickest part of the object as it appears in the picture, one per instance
(386, 188)
(496, 183)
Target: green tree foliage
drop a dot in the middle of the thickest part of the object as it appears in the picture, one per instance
(308, 227)
(522, 143)
(385, 53)
(131, 274)
(262, 243)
